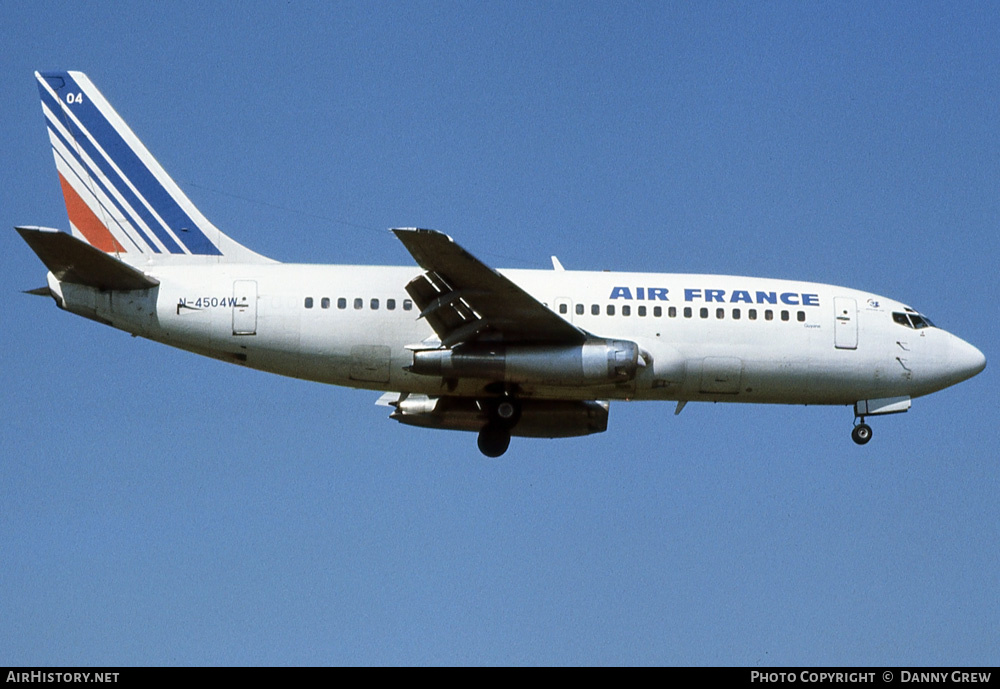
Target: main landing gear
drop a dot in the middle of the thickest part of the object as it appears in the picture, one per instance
(503, 414)
(862, 432)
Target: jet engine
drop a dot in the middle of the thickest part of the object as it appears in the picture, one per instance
(538, 418)
(595, 362)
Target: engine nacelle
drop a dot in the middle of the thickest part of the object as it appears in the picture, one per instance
(539, 418)
(595, 362)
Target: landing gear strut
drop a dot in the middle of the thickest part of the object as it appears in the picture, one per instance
(494, 438)
(862, 433)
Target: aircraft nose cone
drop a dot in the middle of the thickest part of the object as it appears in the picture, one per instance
(965, 360)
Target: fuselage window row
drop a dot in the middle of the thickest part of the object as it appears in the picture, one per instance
(595, 310)
(720, 313)
(359, 303)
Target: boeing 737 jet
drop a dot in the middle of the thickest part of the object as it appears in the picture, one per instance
(455, 344)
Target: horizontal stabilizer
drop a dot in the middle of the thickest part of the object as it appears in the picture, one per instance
(75, 261)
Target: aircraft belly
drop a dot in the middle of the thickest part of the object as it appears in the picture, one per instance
(370, 363)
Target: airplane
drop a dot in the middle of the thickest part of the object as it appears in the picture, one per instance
(455, 344)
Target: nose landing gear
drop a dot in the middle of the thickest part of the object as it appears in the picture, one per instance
(862, 433)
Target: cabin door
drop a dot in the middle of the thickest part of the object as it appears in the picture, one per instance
(845, 323)
(245, 307)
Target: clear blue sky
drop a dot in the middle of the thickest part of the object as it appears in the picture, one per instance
(161, 508)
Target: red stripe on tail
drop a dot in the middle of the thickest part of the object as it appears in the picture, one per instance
(90, 226)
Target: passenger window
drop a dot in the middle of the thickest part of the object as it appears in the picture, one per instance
(768, 315)
(309, 302)
(611, 309)
(784, 315)
(563, 309)
(595, 310)
(407, 305)
(720, 313)
(642, 311)
(704, 312)
(374, 304)
(325, 302)
(801, 316)
(672, 311)
(687, 311)
(359, 303)
(341, 303)
(657, 311)
(736, 314)
(626, 310)
(390, 304)
(752, 314)
(579, 309)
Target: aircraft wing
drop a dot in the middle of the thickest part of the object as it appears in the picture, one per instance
(464, 300)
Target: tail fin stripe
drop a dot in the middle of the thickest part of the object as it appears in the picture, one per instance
(86, 222)
(137, 171)
(119, 199)
(102, 136)
(66, 173)
(69, 160)
(134, 173)
(106, 167)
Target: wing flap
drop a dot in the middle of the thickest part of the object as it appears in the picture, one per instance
(75, 261)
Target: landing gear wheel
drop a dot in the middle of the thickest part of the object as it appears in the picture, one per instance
(494, 440)
(861, 434)
(506, 412)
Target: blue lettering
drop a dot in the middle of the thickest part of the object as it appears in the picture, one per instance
(739, 296)
(621, 293)
(640, 293)
(657, 293)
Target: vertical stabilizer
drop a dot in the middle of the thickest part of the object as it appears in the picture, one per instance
(118, 197)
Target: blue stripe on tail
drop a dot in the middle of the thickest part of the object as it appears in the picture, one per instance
(131, 166)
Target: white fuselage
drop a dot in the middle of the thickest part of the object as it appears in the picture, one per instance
(702, 337)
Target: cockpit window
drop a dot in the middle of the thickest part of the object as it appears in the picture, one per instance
(912, 319)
